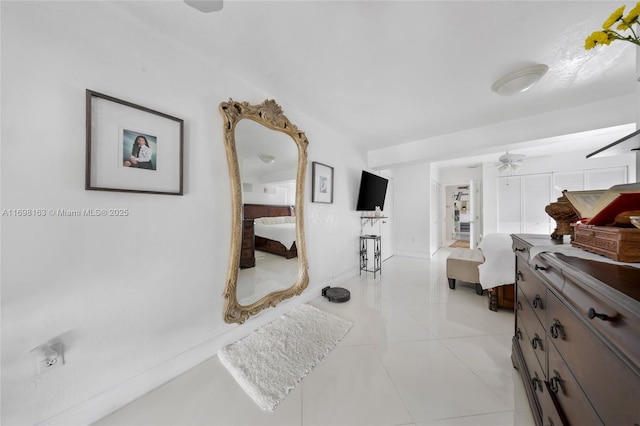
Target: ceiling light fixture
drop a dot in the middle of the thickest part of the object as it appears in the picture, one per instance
(510, 162)
(205, 6)
(519, 81)
(267, 159)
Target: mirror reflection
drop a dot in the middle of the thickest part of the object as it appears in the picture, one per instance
(268, 162)
(267, 159)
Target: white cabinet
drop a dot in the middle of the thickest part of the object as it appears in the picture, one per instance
(605, 178)
(571, 181)
(522, 199)
(521, 203)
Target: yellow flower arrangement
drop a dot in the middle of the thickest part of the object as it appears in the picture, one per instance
(607, 35)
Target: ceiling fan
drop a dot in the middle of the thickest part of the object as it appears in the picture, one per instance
(510, 162)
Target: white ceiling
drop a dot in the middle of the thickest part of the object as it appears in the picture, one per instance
(390, 72)
(252, 140)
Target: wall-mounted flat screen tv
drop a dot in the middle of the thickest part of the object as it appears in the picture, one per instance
(373, 190)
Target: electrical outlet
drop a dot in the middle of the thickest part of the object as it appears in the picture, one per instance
(48, 357)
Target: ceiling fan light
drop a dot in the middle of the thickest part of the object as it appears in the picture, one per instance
(519, 81)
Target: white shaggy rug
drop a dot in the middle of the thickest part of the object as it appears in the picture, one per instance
(271, 361)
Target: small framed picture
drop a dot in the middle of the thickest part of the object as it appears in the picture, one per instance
(322, 176)
(131, 148)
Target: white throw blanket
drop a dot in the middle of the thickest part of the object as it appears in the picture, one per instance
(571, 251)
(499, 265)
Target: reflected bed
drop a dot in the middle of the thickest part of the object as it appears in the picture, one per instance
(275, 236)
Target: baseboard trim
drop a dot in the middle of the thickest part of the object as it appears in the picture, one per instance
(412, 254)
(111, 400)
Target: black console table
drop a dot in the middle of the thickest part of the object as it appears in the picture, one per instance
(364, 254)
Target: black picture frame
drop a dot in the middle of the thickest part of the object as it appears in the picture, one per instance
(132, 148)
(322, 183)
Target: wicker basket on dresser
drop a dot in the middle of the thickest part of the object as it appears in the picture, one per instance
(577, 337)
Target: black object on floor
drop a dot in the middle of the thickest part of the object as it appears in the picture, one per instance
(336, 294)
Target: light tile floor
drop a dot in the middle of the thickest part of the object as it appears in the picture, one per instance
(418, 354)
(269, 274)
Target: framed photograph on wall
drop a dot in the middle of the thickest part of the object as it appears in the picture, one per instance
(322, 177)
(131, 148)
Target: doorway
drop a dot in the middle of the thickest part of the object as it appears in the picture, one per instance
(457, 215)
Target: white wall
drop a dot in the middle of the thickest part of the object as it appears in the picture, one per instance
(412, 216)
(136, 299)
(460, 175)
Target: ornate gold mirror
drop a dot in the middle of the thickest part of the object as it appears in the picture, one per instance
(267, 159)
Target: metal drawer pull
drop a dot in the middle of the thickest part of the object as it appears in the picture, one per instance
(537, 301)
(556, 382)
(556, 329)
(518, 306)
(550, 421)
(540, 268)
(520, 249)
(535, 340)
(519, 275)
(536, 382)
(591, 313)
(519, 334)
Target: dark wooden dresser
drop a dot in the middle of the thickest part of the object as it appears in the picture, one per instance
(248, 252)
(577, 336)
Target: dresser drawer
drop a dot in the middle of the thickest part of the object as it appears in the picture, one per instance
(548, 270)
(521, 249)
(567, 392)
(533, 352)
(248, 241)
(611, 385)
(533, 289)
(534, 370)
(621, 328)
(552, 414)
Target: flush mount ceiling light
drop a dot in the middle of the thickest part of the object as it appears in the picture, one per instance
(267, 159)
(205, 6)
(519, 81)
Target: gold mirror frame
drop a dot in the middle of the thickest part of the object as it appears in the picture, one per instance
(270, 115)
